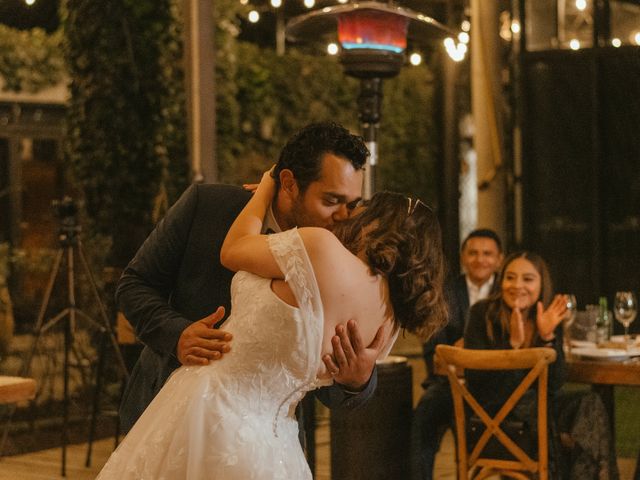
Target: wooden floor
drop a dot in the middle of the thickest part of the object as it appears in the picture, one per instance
(45, 465)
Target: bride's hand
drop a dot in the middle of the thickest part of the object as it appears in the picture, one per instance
(267, 184)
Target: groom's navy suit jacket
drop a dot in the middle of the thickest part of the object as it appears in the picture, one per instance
(175, 279)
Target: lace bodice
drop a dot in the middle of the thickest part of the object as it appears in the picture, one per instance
(236, 416)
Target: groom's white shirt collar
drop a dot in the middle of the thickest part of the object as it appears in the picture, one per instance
(270, 222)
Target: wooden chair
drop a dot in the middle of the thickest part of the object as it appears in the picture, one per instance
(475, 464)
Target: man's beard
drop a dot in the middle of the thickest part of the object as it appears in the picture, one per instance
(299, 216)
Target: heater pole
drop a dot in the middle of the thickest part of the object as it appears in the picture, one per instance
(369, 102)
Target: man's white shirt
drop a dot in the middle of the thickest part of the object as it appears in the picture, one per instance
(269, 225)
(479, 293)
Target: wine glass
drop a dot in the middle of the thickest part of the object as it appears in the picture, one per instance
(570, 316)
(625, 308)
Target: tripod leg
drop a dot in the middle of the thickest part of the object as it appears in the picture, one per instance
(103, 314)
(71, 321)
(96, 398)
(43, 309)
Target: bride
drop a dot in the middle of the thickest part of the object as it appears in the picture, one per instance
(234, 418)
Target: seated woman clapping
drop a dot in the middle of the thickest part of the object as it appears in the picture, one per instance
(523, 313)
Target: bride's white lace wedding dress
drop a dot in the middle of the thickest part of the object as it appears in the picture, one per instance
(234, 418)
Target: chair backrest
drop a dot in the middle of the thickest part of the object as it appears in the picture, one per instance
(477, 464)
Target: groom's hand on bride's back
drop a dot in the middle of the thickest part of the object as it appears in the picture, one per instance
(352, 362)
(200, 342)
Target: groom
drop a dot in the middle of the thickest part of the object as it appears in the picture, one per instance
(172, 290)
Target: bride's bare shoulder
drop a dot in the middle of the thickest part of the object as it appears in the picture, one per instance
(320, 239)
(324, 248)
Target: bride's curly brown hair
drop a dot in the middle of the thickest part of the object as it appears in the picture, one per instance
(402, 241)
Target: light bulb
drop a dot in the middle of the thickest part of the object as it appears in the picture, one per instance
(309, 3)
(415, 59)
(254, 16)
(616, 42)
(574, 44)
(581, 5)
(332, 49)
(276, 3)
(465, 25)
(463, 37)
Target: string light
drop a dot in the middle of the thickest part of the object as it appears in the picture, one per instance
(616, 42)
(465, 25)
(415, 59)
(636, 38)
(332, 49)
(309, 3)
(581, 5)
(463, 37)
(29, 2)
(276, 3)
(254, 16)
(455, 51)
(574, 44)
(515, 26)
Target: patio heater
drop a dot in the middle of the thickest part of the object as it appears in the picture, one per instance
(373, 39)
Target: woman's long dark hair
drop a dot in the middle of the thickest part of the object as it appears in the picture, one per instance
(404, 244)
(498, 313)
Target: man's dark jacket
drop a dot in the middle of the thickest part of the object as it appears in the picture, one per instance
(457, 297)
(175, 279)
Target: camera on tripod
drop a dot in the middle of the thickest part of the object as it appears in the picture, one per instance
(66, 210)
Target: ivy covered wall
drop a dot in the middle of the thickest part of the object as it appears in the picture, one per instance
(30, 60)
(126, 122)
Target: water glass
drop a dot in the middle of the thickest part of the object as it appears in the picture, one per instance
(625, 309)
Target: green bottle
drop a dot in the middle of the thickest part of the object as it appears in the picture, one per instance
(603, 323)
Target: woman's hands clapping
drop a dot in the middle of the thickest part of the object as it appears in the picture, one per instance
(547, 320)
(517, 326)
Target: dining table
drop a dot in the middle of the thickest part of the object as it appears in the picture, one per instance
(604, 374)
(16, 389)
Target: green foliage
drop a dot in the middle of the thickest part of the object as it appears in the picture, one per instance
(408, 133)
(126, 130)
(276, 95)
(30, 60)
(227, 27)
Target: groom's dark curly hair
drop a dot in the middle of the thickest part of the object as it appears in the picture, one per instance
(303, 153)
(403, 242)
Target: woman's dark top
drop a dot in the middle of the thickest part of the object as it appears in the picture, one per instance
(493, 388)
